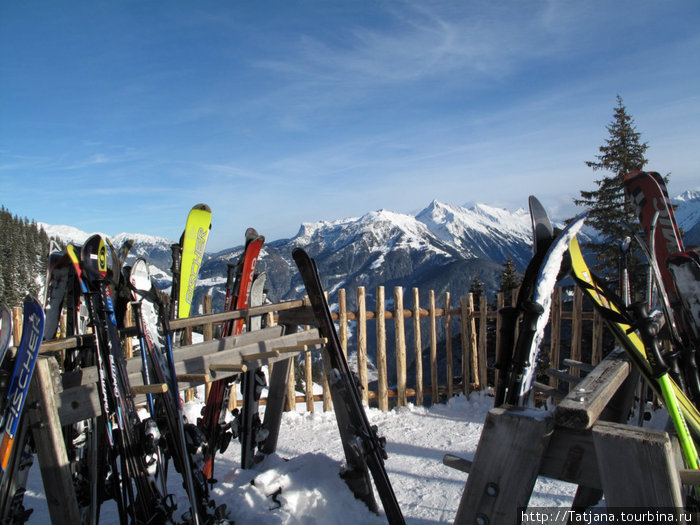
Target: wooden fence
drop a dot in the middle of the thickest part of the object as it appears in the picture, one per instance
(462, 334)
(471, 337)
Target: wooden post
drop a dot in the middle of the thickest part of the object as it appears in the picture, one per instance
(50, 444)
(448, 346)
(382, 383)
(400, 346)
(500, 303)
(291, 398)
(362, 343)
(644, 455)
(433, 349)
(208, 328)
(128, 321)
(17, 315)
(576, 328)
(466, 340)
(343, 321)
(555, 338)
(480, 357)
(499, 483)
(308, 379)
(417, 347)
(208, 333)
(597, 350)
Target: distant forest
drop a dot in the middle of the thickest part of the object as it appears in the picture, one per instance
(23, 253)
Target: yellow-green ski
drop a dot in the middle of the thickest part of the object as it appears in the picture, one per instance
(629, 340)
(193, 243)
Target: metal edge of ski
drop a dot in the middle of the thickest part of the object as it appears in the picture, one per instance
(542, 237)
(192, 246)
(218, 434)
(363, 448)
(157, 354)
(610, 308)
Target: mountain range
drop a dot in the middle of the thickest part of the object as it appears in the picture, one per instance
(441, 248)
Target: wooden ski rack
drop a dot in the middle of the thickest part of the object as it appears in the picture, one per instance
(56, 400)
(581, 442)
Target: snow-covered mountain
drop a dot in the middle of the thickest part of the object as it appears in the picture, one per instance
(440, 247)
(688, 216)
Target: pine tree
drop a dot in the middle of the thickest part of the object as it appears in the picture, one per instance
(610, 211)
(509, 278)
(476, 288)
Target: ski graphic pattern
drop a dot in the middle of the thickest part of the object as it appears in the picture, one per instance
(32, 334)
(194, 242)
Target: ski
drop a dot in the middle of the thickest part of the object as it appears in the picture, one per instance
(138, 473)
(611, 310)
(184, 440)
(685, 270)
(542, 234)
(364, 450)
(13, 402)
(217, 431)
(536, 315)
(187, 260)
(16, 454)
(249, 425)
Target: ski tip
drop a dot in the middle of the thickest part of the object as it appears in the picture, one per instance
(202, 207)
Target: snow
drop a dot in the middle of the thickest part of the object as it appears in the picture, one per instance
(299, 484)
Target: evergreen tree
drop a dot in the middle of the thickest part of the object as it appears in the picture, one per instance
(509, 279)
(611, 213)
(23, 247)
(476, 288)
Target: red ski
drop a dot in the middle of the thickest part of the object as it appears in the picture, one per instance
(217, 432)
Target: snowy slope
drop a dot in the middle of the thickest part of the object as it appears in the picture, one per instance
(310, 454)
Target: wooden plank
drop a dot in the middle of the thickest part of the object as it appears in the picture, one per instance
(563, 376)
(586, 367)
(483, 335)
(641, 454)
(382, 382)
(79, 399)
(448, 346)
(433, 348)
(500, 303)
(362, 343)
(499, 483)
(400, 334)
(50, 444)
(576, 327)
(275, 403)
(417, 347)
(343, 321)
(465, 339)
(308, 382)
(584, 404)
(598, 329)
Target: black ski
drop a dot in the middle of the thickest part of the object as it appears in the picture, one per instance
(364, 450)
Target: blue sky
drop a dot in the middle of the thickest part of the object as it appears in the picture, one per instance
(118, 116)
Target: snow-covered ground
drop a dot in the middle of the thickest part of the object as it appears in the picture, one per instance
(300, 483)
